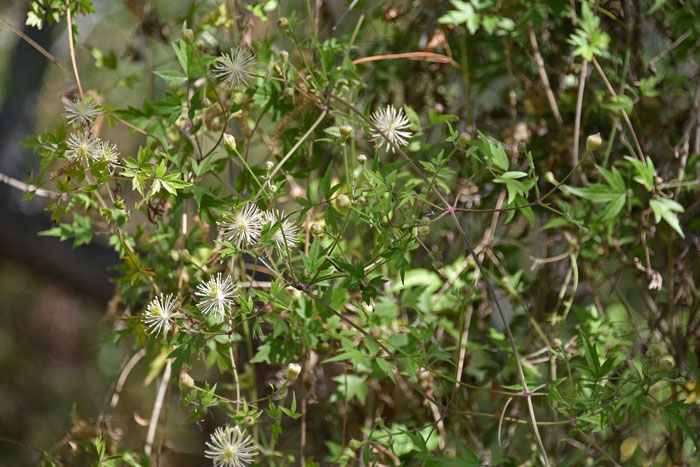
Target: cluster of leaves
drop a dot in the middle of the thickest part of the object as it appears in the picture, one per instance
(556, 329)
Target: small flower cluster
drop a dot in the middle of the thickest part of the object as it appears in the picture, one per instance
(83, 145)
(244, 226)
(215, 296)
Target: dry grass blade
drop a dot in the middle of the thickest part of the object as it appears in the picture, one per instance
(423, 56)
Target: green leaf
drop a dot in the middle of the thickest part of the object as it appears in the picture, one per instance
(180, 49)
(356, 387)
(613, 208)
(174, 78)
(591, 355)
(619, 102)
(464, 14)
(666, 209)
(645, 172)
(672, 417)
(495, 153)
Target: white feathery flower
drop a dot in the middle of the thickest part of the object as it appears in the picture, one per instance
(82, 112)
(230, 447)
(243, 226)
(236, 69)
(106, 152)
(160, 313)
(392, 123)
(216, 295)
(285, 232)
(82, 146)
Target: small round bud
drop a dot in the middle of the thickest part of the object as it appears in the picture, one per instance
(187, 35)
(343, 201)
(556, 343)
(269, 165)
(186, 380)
(284, 55)
(355, 444)
(463, 140)
(438, 265)
(362, 159)
(316, 228)
(230, 141)
(593, 142)
(288, 92)
(654, 350)
(249, 421)
(425, 220)
(293, 370)
(423, 230)
(345, 131)
(361, 199)
(272, 188)
(283, 23)
(667, 363)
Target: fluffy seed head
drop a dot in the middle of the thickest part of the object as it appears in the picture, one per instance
(106, 152)
(392, 123)
(160, 314)
(236, 69)
(216, 295)
(285, 235)
(82, 145)
(242, 227)
(82, 112)
(230, 447)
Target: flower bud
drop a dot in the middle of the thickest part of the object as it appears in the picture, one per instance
(316, 228)
(463, 140)
(345, 131)
(284, 55)
(593, 142)
(343, 202)
(283, 23)
(627, 448)
(186, 380)
(293, 370)
(667, 363)
(549, 176)
(249, 421)
(187, 35)
(423, 230)
(425, 220)
(362, 159)
(288, 92)
(230, 141)
(355, 444)
(556, 343)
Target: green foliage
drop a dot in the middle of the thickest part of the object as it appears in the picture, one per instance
(356, 262)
